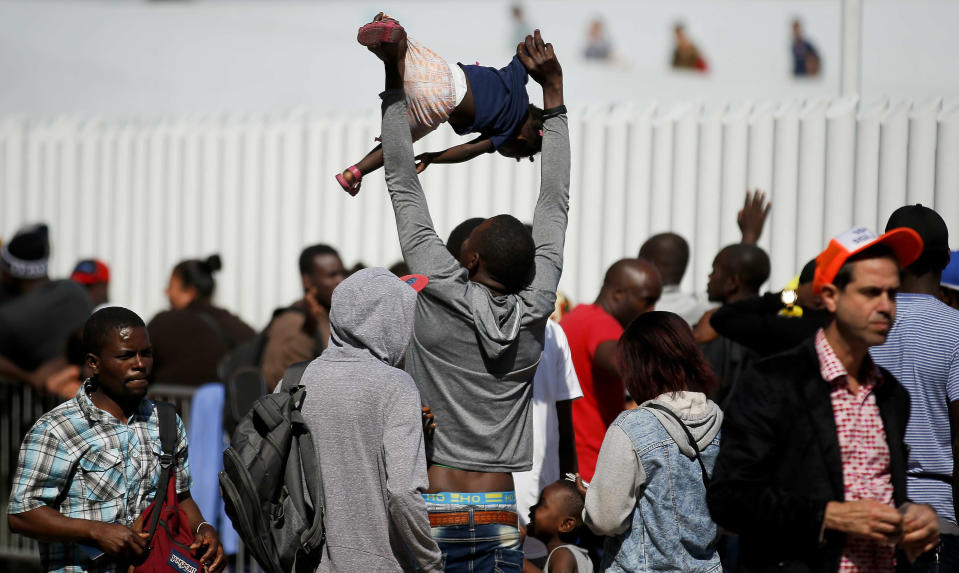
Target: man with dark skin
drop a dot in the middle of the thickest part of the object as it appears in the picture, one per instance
(630, 288)
(301, 332)
(554, 377)
(479, 324)
(669, 253)
(759, 323)
(120, 358)
(94, 276)
(739, 271)
(922, 352)
(39, 314)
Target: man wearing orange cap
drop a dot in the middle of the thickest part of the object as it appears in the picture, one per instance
(812, 467)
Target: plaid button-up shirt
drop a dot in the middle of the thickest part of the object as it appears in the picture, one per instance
(87, 464)
(866, 472)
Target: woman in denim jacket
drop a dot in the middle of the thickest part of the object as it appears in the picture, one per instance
(648, 494)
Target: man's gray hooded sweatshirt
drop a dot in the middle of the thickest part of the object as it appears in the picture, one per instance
(474, 352)
(364, 414)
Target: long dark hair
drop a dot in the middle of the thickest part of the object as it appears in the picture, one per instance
(658, 354)
(199, 275)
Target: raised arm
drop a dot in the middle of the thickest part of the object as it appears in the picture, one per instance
(552, 208)
(423, 251)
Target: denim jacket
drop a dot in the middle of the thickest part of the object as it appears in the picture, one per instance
(670, 528)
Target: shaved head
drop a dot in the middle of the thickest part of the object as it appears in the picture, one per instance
(669, 253)
(630, 288)
(625, 271)
(738, 270)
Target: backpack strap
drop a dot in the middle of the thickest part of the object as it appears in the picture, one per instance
(689, 436)
(314, 537)
(166, 414)
(293, 375)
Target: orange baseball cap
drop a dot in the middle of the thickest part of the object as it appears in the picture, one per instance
(903, 241)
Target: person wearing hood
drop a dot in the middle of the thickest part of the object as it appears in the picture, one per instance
(648, 494)
(479, 326)
(364, 414)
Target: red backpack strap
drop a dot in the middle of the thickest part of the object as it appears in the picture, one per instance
(166, 413)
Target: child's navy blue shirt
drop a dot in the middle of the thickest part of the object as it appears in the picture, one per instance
(500, 100)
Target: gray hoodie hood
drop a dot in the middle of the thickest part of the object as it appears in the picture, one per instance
(701, 415)
(497, 318)
(372, 310)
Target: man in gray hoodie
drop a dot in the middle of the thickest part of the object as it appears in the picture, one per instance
(479, 327)
(364, 415)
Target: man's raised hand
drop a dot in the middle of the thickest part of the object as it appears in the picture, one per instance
(752, 217)
(540, 61)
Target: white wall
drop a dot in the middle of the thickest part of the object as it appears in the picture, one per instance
(140, 58)
(144, 195)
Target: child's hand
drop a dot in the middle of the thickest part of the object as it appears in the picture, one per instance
(429, 426)
(424, 160)
(540, 61)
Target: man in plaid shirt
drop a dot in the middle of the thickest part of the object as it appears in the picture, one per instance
(90, 467)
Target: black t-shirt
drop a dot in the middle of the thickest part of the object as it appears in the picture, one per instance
(34, 327)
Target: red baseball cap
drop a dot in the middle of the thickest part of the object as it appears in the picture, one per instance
(904, 242)
(417, 282)
(90, 272)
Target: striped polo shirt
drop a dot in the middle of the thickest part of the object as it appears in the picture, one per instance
(922, 352)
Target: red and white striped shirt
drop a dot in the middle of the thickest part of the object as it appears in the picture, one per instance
(865, 453)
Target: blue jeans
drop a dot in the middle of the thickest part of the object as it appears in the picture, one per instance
(479, 548)
(944, 559)
(472, 547)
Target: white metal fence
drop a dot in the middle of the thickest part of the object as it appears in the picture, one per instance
(144, 194)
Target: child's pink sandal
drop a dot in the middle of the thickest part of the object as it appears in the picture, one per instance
(385, 31)
(353, 188)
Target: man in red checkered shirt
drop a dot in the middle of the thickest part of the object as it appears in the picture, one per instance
(811, 469)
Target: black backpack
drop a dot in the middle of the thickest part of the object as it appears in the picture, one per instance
(270, 457)
(242, 374)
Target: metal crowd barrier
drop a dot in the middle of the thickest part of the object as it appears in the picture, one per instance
(20, 407)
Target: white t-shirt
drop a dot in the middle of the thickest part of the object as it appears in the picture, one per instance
(685, 305)
(555, 380)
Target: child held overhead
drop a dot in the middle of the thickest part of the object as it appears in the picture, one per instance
(471, 98)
